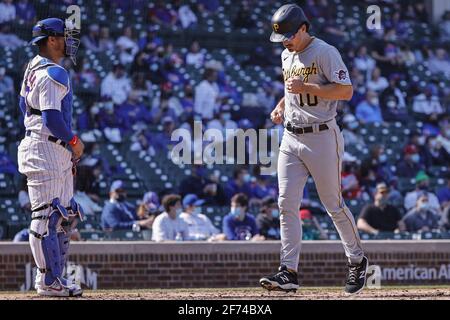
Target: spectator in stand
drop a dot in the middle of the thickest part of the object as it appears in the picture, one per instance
(8, 39)
(92, 40)
(364, 62)
(392, 101)
(207, 95)
(349, 180)
(149, 208)
(141, 88)
(427, 103)
(133, 111)
(116, 85)
(406, 56)
(166, 105)
(84, 179)
(368, 110)
(377, 82)
(239, 184)
(422, 217)
(163, 140)
(186, 16)
(268, 219)
(377, 165)
(239, 224)
(118, 213)
(162, 15)
(395, 197)
(422, 186)
(187, 103)
(168, 226)
(350, 133)
(105, 42)
(443, 195)
(311, 228)
(195, 56)
(25, 11)
(434, 154)
(243, 19)
(7, 11)
(411, 163)
(381, 216)
(439, 62)
(200, 226)
(127, 45)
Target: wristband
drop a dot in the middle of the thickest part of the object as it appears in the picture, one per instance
(74, 140)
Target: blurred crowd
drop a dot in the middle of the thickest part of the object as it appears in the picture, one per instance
(147, 85)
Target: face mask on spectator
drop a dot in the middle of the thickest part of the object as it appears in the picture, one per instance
(247, 177)
(382, 158)
(198, 210)
(275, 213)
(415, 158)
(424, 206)
(391, 104)
(235, 211)
(179, 211)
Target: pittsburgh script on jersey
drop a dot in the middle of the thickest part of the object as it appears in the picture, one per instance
(296, 71)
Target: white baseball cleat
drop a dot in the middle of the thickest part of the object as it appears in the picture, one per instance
(57, 289)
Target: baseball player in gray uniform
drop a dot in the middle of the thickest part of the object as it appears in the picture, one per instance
(315, 79)
(43, 155)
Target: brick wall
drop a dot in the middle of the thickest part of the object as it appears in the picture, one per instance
(228, 264)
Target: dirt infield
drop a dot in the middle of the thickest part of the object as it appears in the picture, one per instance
(396, 293)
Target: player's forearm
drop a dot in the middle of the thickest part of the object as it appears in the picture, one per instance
(331, 91)
(281, 104)
(54, 121)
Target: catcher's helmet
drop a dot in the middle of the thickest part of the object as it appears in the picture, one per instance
(286, 21)
(54, 27)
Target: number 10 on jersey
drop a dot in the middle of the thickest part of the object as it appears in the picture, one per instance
(308, 101)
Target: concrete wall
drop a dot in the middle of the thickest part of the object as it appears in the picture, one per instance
(229, 264)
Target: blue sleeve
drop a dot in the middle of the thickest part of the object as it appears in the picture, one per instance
(22, 105)
(53, 120)
(227, 228)
(111, 217)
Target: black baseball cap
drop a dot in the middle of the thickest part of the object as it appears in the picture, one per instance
(286, 21)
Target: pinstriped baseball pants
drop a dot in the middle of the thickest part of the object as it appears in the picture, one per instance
(48, 168)
(318, 154)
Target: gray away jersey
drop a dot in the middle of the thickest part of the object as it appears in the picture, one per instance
(319, 63)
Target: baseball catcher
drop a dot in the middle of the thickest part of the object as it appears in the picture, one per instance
(44, 155)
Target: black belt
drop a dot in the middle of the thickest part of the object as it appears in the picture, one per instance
(299, 130)
(51, 138)
(35, 111)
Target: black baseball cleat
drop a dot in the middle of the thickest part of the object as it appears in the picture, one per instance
(356, 276)
(283, 280)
